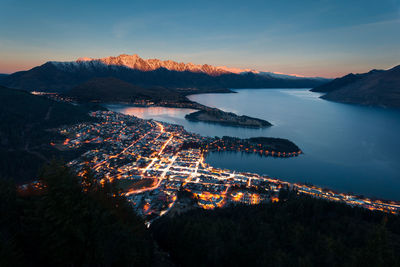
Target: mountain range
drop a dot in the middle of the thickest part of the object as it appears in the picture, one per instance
(61, 77)
(374, 88)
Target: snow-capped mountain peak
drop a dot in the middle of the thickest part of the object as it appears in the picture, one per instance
(137, 63)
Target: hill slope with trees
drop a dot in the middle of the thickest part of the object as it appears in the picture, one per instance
(25, 120)
(70, 222)
(296, 231)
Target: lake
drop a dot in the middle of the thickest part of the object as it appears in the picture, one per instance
(347, 148)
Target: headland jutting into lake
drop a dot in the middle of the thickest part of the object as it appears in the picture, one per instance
(203, 113)
(226, 118)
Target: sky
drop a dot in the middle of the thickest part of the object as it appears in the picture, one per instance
(327, 38)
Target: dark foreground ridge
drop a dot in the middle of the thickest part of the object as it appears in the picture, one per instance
(26, 121)
(70, 220)
(295, 231)
(226, 118)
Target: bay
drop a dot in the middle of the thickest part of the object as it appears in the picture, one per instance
(348, 148)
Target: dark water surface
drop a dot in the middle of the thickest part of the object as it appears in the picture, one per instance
(346, 147)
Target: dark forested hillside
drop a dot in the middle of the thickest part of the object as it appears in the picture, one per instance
(24, 135)
(110, 89)
(69, 224)
(71, 221)
(296, 232)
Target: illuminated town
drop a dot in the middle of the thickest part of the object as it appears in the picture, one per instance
(154, 163)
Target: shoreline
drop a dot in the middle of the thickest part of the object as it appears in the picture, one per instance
(292, 180)
(203, 113)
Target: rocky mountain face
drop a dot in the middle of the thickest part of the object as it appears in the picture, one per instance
(62, 76)
(375, 88)
(137, 63)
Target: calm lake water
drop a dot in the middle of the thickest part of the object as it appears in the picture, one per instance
(348, 148)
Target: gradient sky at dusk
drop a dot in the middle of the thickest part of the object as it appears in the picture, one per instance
(313, 38)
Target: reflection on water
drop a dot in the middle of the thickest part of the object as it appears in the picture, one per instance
(347, 147)
(171, 115)
(302, 94)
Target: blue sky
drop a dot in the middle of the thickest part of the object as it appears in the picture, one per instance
(313, 38)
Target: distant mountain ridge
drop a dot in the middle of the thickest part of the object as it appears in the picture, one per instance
(374, 88)
(290, 76)
(61, 77)
(2, 76)
(343, 81)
